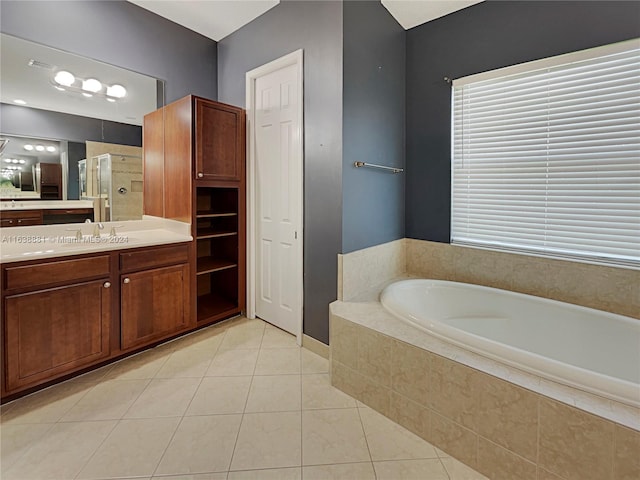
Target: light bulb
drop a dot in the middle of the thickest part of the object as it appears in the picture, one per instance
(64, 78)
(109, 99)
(28, 147)
(7, 160)
(51, 149)
(116, 91)
(40, 148)
(91, 85)
(22, 161)
(14, 161)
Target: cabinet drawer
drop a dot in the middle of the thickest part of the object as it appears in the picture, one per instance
(56, 272)
(153, 257)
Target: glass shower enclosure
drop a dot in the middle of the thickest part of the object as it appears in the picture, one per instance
(119, 186)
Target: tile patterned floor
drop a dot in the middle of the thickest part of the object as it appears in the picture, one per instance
(237, 401)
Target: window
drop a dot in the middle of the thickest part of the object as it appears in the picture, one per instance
(546, 156)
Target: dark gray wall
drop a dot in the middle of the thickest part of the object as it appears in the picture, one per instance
(486, 36)
(122, 34)
(373, 125)
(315, 27)
(33, 122)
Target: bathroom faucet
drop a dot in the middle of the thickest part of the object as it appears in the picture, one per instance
(96, 230)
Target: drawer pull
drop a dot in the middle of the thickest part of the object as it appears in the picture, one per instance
(127, 280)
(106, 284)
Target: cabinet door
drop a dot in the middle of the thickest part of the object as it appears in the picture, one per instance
(56, 331)
(155, 304)
(219, 141)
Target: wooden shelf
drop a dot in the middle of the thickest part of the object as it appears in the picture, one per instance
(213, 233)
(214, 214)
(209, 264)
(213, 305)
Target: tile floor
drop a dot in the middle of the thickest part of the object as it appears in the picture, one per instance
(235, 401)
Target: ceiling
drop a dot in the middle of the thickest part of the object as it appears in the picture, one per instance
(34, 85)
(216, 19)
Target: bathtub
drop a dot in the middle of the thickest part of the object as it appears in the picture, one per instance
(584, 348)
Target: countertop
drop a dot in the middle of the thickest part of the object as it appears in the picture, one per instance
(9, 206)
(49, 241)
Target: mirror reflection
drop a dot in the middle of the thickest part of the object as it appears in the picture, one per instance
(71, 131)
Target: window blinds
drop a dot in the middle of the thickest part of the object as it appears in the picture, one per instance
(546, 156)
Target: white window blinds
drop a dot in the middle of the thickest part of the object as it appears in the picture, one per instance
(546, 156)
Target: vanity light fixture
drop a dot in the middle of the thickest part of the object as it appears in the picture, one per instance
(40, 148)
(19, 101)
(90, 86)
(28, 147)
(64, 78)
(116, 91)
(51, 149)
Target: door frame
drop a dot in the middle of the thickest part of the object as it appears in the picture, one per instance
(293, 58)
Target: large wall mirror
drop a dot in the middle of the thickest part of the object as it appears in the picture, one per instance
(74, 122)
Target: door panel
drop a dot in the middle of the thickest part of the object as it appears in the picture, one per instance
(278, 173)
(56, 331)
(155, 304)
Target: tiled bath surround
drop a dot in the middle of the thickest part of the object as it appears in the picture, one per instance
(498, 428)
(453, 398)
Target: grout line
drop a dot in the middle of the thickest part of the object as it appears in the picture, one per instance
(117, 422)
(246, 401)
(184, 414)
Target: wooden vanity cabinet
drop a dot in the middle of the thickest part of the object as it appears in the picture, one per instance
(20, 218)
(52, 329)
(66, 314)
(155, 302)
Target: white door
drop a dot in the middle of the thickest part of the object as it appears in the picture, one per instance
(278, 167)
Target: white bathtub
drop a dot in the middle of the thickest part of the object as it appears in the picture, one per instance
(588, 349)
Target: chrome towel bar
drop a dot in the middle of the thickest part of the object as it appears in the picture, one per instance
(381, 167)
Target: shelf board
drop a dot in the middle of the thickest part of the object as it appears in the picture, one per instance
(214, 214)
(209, 264)
(213, 233)
(213, 305)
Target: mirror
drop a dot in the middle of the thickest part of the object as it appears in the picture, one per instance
(67, 113)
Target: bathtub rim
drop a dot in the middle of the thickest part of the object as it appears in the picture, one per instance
(617, 389)
(374, 316)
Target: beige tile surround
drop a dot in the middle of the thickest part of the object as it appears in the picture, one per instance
(503, 430)
(363, 273)
(500, 429)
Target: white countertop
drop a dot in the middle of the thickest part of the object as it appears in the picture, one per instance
(9, 205)
(48, 241)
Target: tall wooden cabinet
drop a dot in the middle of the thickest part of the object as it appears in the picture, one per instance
(194, 171)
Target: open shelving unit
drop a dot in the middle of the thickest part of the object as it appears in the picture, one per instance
(217, 252)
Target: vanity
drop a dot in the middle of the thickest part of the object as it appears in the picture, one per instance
(22, 213)
(72, 301)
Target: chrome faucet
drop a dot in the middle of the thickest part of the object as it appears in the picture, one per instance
(96, 229)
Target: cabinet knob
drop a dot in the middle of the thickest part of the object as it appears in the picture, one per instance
(106, 284)
(127, 280)
(200, 174)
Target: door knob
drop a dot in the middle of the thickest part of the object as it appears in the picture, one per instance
(200, 174)
(127, 280)
(106, 284)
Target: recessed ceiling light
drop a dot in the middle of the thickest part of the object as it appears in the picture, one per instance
(64, 78)
(116, 91)
(40, 148)
(19, 101)
(51, 149)
(28, 147)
